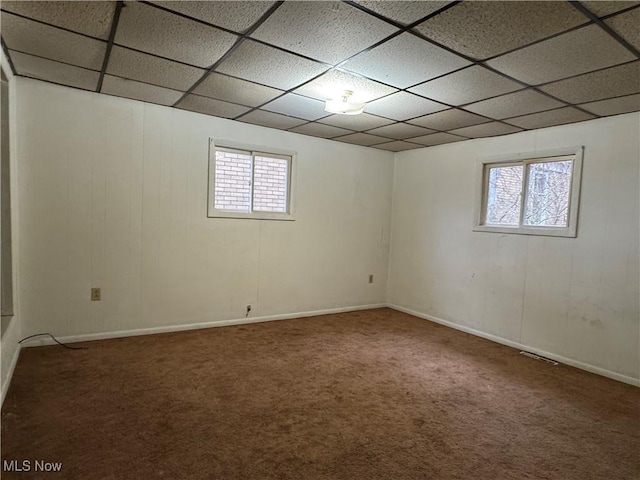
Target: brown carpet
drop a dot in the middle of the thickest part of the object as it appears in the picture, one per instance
(365, 395)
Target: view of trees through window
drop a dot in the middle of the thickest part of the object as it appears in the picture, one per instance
(547, 202)
(504, 199)
(547, 194)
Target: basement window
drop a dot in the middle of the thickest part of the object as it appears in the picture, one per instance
(531, 194)
(252, 184)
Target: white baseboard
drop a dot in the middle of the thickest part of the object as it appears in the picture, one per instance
(240, 321)
(12, 367)
(510, 343)
(194, 326)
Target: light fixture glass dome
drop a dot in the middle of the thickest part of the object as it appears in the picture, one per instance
(344, 105)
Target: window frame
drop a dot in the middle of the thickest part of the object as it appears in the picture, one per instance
(525, 159)
(254, 151)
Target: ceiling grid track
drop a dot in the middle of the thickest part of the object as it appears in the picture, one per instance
(253, 28)
(112, 36)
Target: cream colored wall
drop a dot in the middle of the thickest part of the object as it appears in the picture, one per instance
(11, 326)
(11, 334)
(113, 194)
(574, 298)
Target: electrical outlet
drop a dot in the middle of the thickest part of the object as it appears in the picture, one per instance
(370, 278)
(96, 295)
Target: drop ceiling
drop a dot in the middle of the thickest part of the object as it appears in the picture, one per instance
(432, 72)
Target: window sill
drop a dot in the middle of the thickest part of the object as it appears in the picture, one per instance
(286, 217)
(567, 232)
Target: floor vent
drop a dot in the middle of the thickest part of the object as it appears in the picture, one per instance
(538, 357)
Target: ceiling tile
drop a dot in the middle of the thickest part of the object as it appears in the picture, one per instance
(362, 139)
(49, 42)
(320, 130)
(233, 15)
(273, 120)
(332, 83)
(56, 72)
(149, 69)
(402, 106)
(211, 106)
(583, 50)
(610, 82)
(437, 139)
(513, 104)
(400, 131)
(360, 122)
(327, 31)
(397, 146)
(484, 29)
(604, 78)
(486, 130)
(626, 24)
(602, 8)
(267, 65)
(405, 61)
(297, 106)
(152, 30)
(90, 18)
(614, 106)
(403, 12)
(449, 119)
(549, 118)
(235, 90)
(465, 86)
(121, 87)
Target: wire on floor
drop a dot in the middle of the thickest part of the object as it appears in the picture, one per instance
(55, 340)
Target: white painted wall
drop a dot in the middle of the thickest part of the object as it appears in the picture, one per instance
(574, 298)
(9, 350)
(112, 194)
(10, 327)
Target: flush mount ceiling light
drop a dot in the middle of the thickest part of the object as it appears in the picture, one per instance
(344, 105)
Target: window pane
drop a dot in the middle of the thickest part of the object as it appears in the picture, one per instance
(233, 181)
(270, 184)
(548, 189)
(503, 195)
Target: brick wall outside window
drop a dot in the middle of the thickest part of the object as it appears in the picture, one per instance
(233, 187)
(270, 184)
(233, 181)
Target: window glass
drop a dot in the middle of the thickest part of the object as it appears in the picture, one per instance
(530, 195)
(249, 184)
(233, 181)
(548, 193)
(504, 195)
(270, 184)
